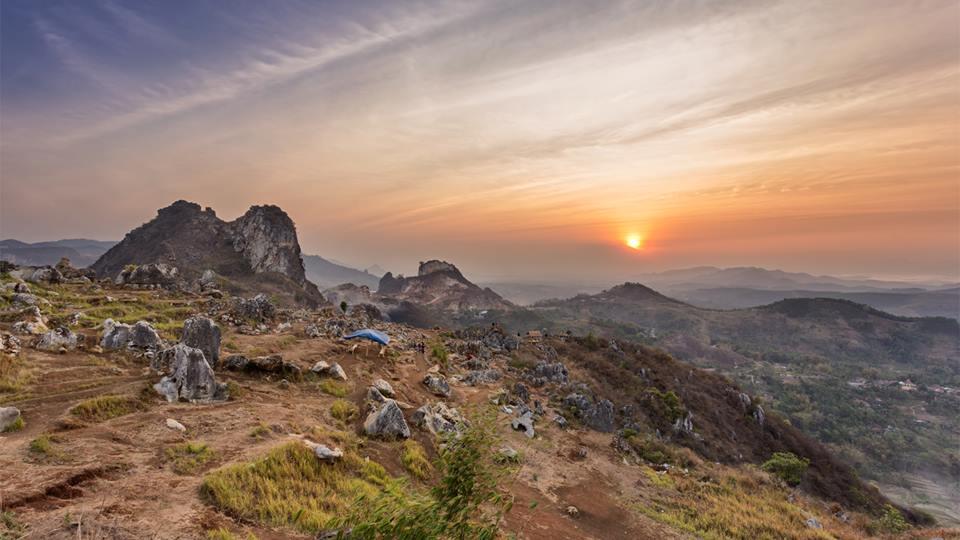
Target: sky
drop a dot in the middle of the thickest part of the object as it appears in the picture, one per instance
(521, 140)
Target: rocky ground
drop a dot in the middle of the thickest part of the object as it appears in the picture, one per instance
(97, 451)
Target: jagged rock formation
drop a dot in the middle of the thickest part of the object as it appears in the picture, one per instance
(439, 284)
(258, 252)
(189, 378)
(204, 334)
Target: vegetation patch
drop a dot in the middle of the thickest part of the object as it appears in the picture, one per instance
(102, 408)
(10, 525)
(225, 534)
(188, 458)
(44, 448)
(725, 504)
(466, 503)
(786, 466)
(439, 351)
(343, 410)
(260, 431)
(290, 487)
(13, 376)
(414, 459)
(334, 388)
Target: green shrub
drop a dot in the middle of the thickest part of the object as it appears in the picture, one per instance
(787, 466)
(343, 410)
(260, 431)
(891, 521)
(42, 445)
(439, 351)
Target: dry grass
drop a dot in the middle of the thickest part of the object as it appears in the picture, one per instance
(225, 534)
(741, 504)
(189, 458)
(290, 487)
(102, 408)
(13, 376)
(334, 388)
(343, 410)
(414, 459)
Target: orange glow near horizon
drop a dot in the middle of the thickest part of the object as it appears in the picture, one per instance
(634, 241)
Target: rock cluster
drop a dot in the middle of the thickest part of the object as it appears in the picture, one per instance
(258, 309)
(148, 276)
(334, 370)
(119, 336)
(57, 340)
(438, 418)
(273, 363)
(595, 415)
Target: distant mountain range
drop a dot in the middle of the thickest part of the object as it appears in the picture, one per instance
(81, 251)
(704, 277)
(327, 274)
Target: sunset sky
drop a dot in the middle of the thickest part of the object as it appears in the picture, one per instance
(520, 140)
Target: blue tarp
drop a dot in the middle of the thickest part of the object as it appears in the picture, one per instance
(370, 334)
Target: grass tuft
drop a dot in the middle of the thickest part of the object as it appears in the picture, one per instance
(343, 410)
(188, 458)
(225, 534)
(414, 459)
(334, 388)
(102, 408)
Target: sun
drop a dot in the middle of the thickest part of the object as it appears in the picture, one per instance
(634, 241)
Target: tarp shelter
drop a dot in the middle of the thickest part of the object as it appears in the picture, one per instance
(372, 335)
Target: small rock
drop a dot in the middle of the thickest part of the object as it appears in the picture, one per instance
(173, 424)
(813, 523)
(387, 422)
(561, 421)
(384, 388)
(524, 423)
(58, 340)
(573, 511)
(8, 415)
(333, 370)
(284, 384)
(325, 453)
(437, 384)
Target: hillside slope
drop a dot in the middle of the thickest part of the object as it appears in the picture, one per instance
(833, 367)
(648, 447)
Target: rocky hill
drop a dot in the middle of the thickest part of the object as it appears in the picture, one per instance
(286, 430)
(257, 252)
(882, 390)
(438, 295)
(440, 285)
